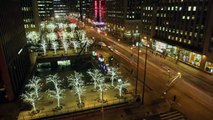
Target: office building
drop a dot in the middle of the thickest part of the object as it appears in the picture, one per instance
(45, 9)
(30, 15)
(123, 18)
(60, 9)
(14, 57)
(181, 29)
(83, 7)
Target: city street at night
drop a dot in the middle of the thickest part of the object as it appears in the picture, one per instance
(106, 60)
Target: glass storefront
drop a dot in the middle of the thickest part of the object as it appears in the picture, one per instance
(171, 51)
(165, 49)
(190, 57)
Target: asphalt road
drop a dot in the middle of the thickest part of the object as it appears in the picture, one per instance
(194, 90)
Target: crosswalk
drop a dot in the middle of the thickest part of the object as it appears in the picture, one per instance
(172, 115)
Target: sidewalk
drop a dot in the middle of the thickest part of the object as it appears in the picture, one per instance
(135, 113)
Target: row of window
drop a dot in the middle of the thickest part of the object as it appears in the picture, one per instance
(176, 31)
(179, 39)
(45, 8)
(44, 1)
(40, 12)
(29, 26)
(25, 8)
(28, 20)
(173, 8)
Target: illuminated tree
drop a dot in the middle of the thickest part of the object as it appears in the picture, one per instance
(121, 84)
(65, 45)
(96, 75)
(86, 43)
(35, 85)
(76, 45)
(58, 91)
(55, 46)
(51, 27)
(102, 87)
(42, 26)
(52, 36)
(81, 34)
(72, 26)
(114, 74)
(71, 35)
(64, 35)
(44, 46)
(76, 81)
(30, 97)
(33, 37)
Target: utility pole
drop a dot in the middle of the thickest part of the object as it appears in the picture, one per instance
(136, 82)
(81, 10)
(144, 79)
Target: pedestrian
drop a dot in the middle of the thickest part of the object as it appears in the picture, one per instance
(174, 98)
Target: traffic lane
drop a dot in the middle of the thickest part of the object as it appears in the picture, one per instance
(192, 107)
(196, 80)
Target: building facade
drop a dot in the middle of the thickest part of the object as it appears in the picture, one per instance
(30, 15)
(180, 29)
(45, 9)
(123, 18)
(60, 9)
(14, 57)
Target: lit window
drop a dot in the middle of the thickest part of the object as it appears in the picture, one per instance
(190, 34)
(188, 17)
(189, 8)
(176, 8)
(193, 17)
(189, 42)
(169, 37)
(194, 8)
(183, 17)
(180, 8)
(176, 38)
(195, 34)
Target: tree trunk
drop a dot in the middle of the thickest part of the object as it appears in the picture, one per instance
(101, 94)
(112, 81)
(58, 100)
(33, 104)
(55, 51)
(120, 91)
(79, 97)
(44, 51)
